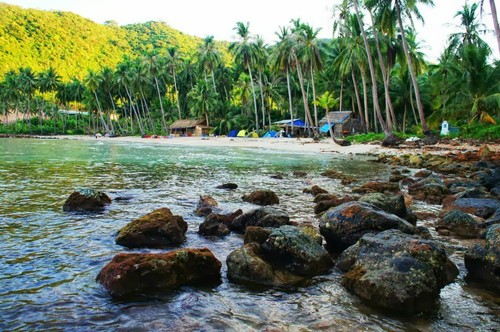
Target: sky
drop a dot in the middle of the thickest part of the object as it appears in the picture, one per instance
(218, 17)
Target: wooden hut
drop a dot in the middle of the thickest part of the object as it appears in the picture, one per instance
(343, 122)
(190, 128)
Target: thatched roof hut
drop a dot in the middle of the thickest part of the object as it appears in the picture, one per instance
(189, 127)
(343, 122)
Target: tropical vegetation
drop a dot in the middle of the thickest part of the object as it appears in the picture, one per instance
(60, 73)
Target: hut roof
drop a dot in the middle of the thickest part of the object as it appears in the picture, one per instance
(181, 124)
(337, 117)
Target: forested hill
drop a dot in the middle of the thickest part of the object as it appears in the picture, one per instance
(72, 44)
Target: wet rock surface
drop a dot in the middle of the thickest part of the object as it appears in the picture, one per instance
(262, 197)
(86, 200)
(262, 217)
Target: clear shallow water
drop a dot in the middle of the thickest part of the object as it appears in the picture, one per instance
(49, 259)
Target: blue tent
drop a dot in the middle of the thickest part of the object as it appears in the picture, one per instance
(233, 133)
(270, 134)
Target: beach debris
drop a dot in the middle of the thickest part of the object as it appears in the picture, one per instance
(86, 200)
(150, 273)
(158, 229)
(397, 271)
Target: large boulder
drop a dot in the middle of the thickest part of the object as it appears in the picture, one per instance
(139, 273)
(397, 271)
(483, 261)
(86, 200)
(246, 265)
(481, 207)
(217, 224)
(344, 225)
(297, 252)
(262, 217)
(324, 205)
(262, 197)
(158, 229)
(460, 224)
(431, 190)
(394, 204)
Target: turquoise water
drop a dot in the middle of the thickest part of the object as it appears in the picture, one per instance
(49, 259)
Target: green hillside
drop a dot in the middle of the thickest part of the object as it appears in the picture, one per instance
(72, 44)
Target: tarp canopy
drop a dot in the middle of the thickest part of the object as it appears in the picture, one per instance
(296, 123)
(325, 128)
(233, 133)
(242, 133)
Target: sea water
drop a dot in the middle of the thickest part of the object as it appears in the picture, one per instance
(49, 259)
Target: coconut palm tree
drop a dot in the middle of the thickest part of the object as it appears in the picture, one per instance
(471, 30)
(209, 57)
(152, 64)
(93, 82)
(494, 15)
(283, 61)
(245, 52)
(327, 101)
(48, 81)
(173, 58)
(203, 100)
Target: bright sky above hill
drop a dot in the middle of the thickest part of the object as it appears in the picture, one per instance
(218, 17)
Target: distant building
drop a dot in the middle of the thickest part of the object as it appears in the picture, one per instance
(190, 128)
(344, 123)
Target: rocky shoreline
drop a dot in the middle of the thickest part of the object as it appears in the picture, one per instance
(386, 255)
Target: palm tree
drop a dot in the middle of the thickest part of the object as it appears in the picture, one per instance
(209, 57)
(261, 64)
(203, 100)
(48, 81)
(153, 65)
(406, 7)
(173, 58)
(244, 51)
(471, 30)
(284, 61)
(494, 15)
(93, 81)
(327, 101)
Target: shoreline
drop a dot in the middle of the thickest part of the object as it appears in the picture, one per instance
(305, 145)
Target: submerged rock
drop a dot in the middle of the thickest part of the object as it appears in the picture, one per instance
(262, 197)
(86, 200)
(138, 273)
(315, 190)
(262, 217)
(205, 206)
(397, 271)
(483, 261)
(228, 186)
(217, 224)
(157, 229)
(287, 256)
(344, 225)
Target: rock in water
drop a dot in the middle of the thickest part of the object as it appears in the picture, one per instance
(138, 273)
(483, 261)
(345, 224)
(86, 200)
(262, 197)
(158, 229)
(397, 271)
(261, 217)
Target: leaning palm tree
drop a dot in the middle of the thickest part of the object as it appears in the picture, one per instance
(494, 15)
(152, 63)
(173, 58)
(245, 51)
(93, 82)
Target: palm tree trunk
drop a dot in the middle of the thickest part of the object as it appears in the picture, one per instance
(314, 98)
(254, 98)
(289, 96)
(177, 93)
(358, 99)
(420, 107)
(163, 123)
(104, 124)
(304, 97)
(262, 101)
(376, 104)
(365, 100)
(494, 14)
